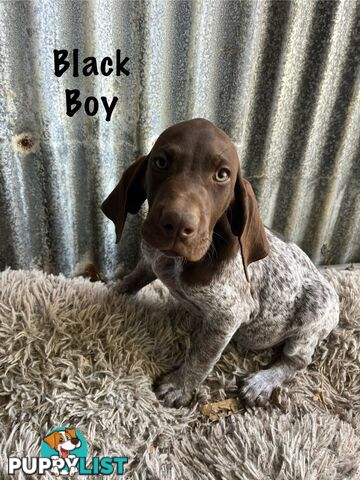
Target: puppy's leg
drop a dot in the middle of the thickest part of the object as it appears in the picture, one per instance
(297, 354)
(133, 282)
(258, 387)
(176, 388)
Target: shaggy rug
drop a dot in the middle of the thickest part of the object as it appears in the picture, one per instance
(73, 353)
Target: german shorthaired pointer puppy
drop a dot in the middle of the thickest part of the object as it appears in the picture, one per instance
(203, 238)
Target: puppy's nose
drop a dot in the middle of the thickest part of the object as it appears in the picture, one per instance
(176, 224)
(74, 441)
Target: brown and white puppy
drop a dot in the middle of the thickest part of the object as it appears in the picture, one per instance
(63, 441)
(203, 237)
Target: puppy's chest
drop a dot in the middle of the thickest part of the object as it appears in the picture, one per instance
(167, 269)
(215, 297)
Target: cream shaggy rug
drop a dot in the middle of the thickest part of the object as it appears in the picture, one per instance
(74, 354)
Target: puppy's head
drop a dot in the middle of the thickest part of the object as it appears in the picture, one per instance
(191, 179)
(63, 441)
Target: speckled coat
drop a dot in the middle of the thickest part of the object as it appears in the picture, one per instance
(286, 302)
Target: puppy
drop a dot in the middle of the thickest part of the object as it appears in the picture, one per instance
(204, 239)
(63, 442)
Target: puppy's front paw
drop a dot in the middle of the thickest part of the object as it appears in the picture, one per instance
(172, 391)
(124, 286)
(257, 388)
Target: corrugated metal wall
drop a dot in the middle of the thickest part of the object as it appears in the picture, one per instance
(281, 78)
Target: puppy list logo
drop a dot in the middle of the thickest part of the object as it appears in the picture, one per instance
(64, 452)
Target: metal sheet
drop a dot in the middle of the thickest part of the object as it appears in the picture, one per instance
(281, 78)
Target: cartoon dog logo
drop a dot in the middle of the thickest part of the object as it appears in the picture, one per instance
(63, 441)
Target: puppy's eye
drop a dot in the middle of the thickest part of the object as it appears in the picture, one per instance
(222, 175)
(161, 163)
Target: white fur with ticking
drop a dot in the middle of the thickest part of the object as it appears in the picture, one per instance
(286, 301)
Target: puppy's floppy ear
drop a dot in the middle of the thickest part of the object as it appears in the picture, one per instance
(71, 432)
(53, 439)
(128, 195)
(246, 224)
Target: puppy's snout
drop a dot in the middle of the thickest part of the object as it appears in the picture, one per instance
(176, 224)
